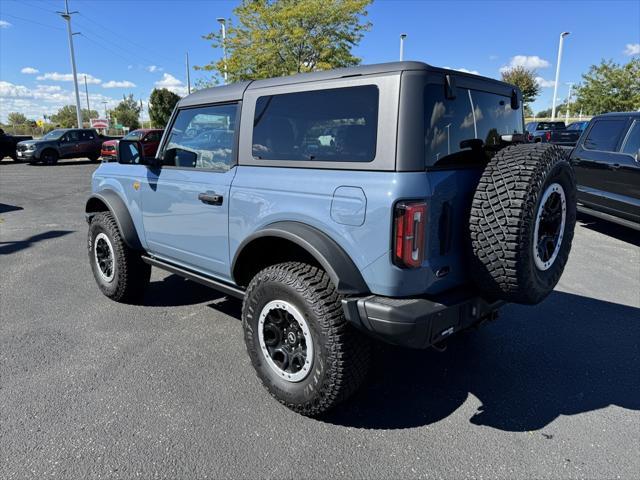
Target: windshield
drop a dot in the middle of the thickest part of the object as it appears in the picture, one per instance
(135, 135)
(456, 128)
(54, 134)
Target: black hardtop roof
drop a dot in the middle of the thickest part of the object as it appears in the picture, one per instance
(619, 114)
(235, 91)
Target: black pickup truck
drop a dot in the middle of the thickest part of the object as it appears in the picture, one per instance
(607, 165)
(62, 143)
(552, 132)
(8, 144)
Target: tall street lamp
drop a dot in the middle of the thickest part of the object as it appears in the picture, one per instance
(402, 37)
(223, 32)
(555, 86)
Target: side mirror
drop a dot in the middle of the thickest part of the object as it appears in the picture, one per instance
(515, 102)
(131, 152)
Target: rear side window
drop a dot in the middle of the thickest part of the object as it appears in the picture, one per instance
(632, 143)
(333, 125)
(605, 134)
(87, 135)
(474, 119)
(203, 138)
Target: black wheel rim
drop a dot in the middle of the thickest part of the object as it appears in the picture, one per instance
(549, 227)
(104, 257)
(285, 340)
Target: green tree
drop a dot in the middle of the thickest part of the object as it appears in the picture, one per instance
(66, 116)
(161, 104)
(544, 113)
(525, 80)
(609, 87)
(283, 37)
(16, 118)
(127, 112)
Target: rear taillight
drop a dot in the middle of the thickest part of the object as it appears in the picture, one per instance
(409, 226)
(548, 136)
(530, 138)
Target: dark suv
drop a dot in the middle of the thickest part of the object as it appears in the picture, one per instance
(607, 165)
(62, 143)
(391, 201)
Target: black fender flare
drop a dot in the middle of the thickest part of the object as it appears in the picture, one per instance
(120, 213)
(334, 260)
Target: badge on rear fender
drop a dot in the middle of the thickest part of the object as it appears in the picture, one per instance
(136, 185)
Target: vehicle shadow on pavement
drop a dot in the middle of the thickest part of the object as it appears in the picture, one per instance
(176, 291)
(622, 233)
(4, 208)
(62, 163)
(568, 355)
(15, 246)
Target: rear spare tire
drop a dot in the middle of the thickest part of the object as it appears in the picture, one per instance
(522, 220)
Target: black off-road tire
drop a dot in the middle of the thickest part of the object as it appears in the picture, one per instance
(130, 274)
(49, 157)
(341, 354)
(93, 158)
(503, 219)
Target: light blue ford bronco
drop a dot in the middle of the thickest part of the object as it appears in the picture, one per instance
(395, 201)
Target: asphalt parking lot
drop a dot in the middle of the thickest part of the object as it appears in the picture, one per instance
(94, 389)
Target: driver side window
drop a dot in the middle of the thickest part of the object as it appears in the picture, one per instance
(203, 138)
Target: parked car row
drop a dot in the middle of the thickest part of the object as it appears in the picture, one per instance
(555, 132)
(65, 143)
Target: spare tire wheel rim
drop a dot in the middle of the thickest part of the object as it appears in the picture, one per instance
(103, 255)
(285, 340)
(549, 229)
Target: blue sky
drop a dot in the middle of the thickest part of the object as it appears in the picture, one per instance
(132, 46)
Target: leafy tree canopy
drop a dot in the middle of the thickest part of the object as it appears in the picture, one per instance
(610, 87)
(66, 116)
(161, 104)
(525, 80)
(127, 112)
(283, 37)
(16, 118)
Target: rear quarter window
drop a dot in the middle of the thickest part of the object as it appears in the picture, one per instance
(605, 134)
(334, 125)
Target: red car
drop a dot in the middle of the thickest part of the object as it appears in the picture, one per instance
(149, 137)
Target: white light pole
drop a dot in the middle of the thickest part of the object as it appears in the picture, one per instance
(67, 16)
(555, 86)
(186, 59)
(566, 113)
(223, 32)
(402, 37)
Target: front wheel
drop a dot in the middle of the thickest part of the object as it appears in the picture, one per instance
(304, 351)
(49, 157)
(119, 271)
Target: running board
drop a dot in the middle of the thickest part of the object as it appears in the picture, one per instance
(223, 287)
(608, 217)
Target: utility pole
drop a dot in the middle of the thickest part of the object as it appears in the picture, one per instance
(402, 37)
(188, 73)
(566, 114)
(86, 90)
(67, 16)
(223, 32)
(555, 86)
(141, 113)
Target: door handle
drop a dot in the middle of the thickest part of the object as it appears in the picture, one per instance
(615, 166)
(210, 198)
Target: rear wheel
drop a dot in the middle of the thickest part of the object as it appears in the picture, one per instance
(304, 351)
(49, 157)
(119, 271)
(522, 221)
(93, 158)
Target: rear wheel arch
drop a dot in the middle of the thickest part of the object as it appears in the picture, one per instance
(295, 241)
(109, 200)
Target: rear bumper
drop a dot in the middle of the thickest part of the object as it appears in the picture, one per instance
(417, 322)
